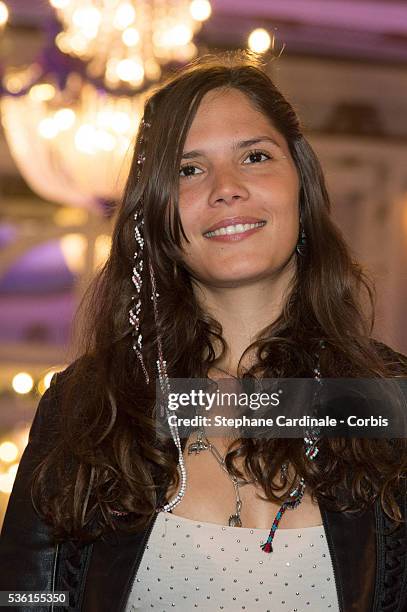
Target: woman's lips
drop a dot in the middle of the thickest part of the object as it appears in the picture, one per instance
(235, 220)
(235, 237)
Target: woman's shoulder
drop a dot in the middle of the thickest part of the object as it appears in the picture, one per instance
(46, 423)
(84, 363)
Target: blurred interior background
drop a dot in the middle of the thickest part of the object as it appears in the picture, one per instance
(73, 77)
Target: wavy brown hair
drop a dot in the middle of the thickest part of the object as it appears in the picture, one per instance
(106, 455)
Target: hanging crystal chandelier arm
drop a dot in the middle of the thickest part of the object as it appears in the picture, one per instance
(140, 36)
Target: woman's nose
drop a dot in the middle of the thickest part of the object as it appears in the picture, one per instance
(227, 188)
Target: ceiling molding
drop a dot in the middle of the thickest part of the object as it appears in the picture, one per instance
(356, 15)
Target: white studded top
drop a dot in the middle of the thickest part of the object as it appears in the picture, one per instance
(192, 565)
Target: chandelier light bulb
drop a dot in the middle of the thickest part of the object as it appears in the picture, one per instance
(48, 128)
(259, 40)
(42, 92)
(13, 84)
(22, 383)
(59, 4)
(181, 34)
(130, 71)
(125, 16)
(87, 17)
(200, 10)
(62, 43)
(78, 43)
(131, 37)
(64, 118)
(3, 14)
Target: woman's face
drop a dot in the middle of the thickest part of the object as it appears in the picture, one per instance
(237, 174)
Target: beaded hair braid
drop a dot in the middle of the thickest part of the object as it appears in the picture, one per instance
(135, 316)
(134, 312)
(310, 440)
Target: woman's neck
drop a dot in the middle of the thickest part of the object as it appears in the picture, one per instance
(243, 312)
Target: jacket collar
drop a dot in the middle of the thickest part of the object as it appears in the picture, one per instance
(352, 545)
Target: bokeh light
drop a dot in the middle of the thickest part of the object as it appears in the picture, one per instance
(8, 452)
(4, 14)
(22, 383)
(259, 40)
(200, 9)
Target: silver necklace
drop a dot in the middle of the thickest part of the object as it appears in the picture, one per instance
(202, 443)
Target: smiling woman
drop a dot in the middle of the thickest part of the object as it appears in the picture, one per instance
(225, 263)
(228, 176)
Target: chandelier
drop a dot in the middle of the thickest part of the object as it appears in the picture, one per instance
(72, 144)
(71, 134)
(126, 42)
(3, 15)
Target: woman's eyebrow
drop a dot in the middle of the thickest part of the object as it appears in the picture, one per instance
(238, 145)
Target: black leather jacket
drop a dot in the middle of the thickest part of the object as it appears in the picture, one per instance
(369, 559)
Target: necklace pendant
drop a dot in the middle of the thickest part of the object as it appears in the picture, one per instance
(197, 447)
(199, 444)
(234, 521)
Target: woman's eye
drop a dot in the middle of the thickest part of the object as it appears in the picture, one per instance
(189, 171)
(255, 156)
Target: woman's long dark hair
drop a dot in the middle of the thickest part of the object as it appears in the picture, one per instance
(106, 456)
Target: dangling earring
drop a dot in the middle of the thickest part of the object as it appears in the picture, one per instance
(301, 247)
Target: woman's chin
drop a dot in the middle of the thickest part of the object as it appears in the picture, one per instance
(237, 278)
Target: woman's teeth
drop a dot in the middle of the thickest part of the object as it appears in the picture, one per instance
(234, 229)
